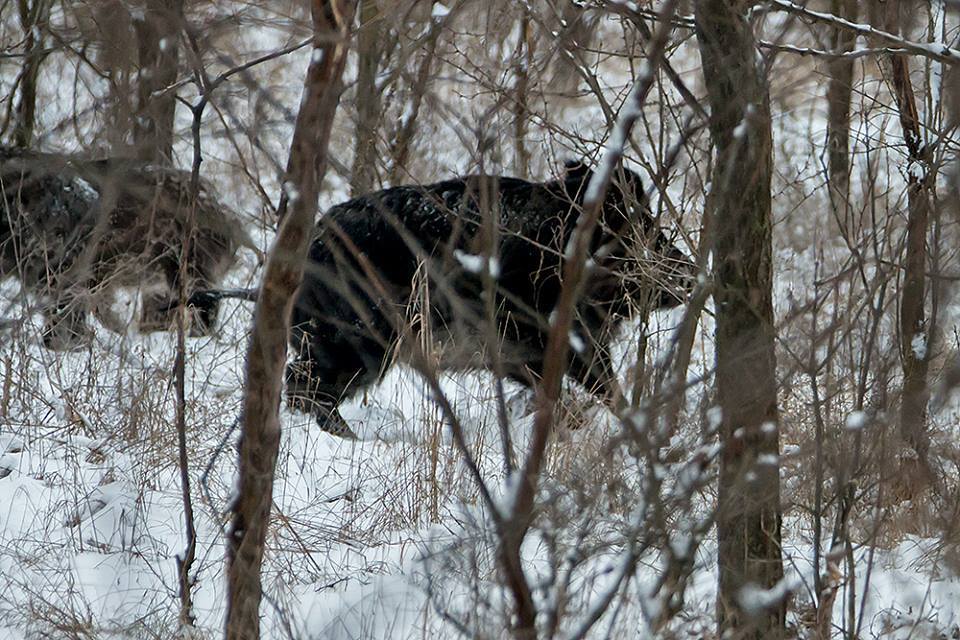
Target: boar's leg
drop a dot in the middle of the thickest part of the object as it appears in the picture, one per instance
(591, 367)
(159, 309)
(204, 314)
(156, 312)
(335, 361)
(211, 255)
(65, 327)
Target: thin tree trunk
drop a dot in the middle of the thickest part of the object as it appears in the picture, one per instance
(185, 560)
(514, 527)
(158, 53)
(839, 97)
(364, 174)
(523, 59)
(33, 18)
(839, 93)
(914, 341)
(914, 338)
(267, 354)
(748, 511)
(403, 141)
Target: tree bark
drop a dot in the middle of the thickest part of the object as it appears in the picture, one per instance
(839, 93)
(915, 339)
(748, 511)
(523, 60)
(364, 175)
(158, 54)
(267, 353)
(33, 18)
(403, 140)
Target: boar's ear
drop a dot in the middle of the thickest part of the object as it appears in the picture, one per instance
(575, 169)
(631, 186)
(630, 182)
(632, 206)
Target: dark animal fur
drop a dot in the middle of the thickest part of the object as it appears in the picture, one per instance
(72, 229)
(388, 265)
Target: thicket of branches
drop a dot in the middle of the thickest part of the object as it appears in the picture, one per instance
(797, 409)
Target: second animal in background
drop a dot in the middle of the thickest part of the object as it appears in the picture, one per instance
(73, 229)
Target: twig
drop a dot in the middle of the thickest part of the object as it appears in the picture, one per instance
(938, 51)
(558, 344)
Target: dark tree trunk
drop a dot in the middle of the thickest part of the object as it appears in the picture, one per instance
(158, 54)
(364, 176)
(748, 516)
(33, 18)
(914, 338)
(403, 140)
(839, 93)
(523, 60)
(267, 353)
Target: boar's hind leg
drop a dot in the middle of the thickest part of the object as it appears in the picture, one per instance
(159, 309)
(156, 313)
(591, 366)
(204, 312)
(204, 309)
(65, 327)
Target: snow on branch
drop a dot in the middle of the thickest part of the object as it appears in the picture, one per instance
(833, 55)
(936, 51)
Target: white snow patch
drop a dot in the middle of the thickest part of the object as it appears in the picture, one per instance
(856, 421)
(577, 343)
(478, 264)
(291, 191)
(755, 599)
(768, 459)
(918, 344)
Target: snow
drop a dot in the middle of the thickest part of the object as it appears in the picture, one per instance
(291, 191)
(918, 345)
(768, 459)
(577, 343)
(478, 264)
(740, 131)
(755, 599)
(856, 421)
(85, 188)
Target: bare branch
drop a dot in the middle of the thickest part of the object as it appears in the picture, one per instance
(936, 51)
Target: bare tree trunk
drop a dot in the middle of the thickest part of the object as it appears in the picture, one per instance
(158, 53)
(364, 174)
(839, 92)
(914, 337)
(749, 515)
(914, 341)
(33, 18)
(403, 140)
(267, 354)
(185, 560)
(523, 59)
(513, 528)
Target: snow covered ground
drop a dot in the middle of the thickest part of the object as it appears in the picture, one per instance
(377, 538)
